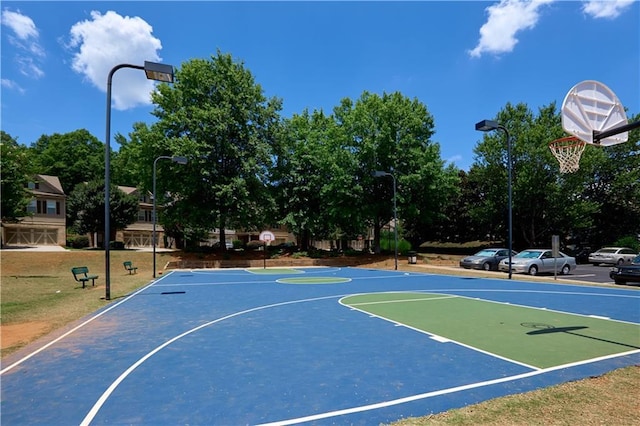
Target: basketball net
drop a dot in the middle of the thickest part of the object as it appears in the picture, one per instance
(568, 151)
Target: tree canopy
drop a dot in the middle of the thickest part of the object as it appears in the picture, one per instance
(16, 172)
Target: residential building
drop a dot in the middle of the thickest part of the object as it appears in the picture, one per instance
(45, 224)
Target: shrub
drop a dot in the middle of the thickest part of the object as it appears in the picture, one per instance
(255, 245)
(116, 245)
(77, 241)
(628, 241)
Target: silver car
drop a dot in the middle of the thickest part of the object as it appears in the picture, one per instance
(534, 261)
(486, 259)
(612, 256)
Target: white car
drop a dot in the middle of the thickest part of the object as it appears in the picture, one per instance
(534, 261)
(612, 256)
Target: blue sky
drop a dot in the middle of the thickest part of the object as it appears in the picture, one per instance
(463, 60)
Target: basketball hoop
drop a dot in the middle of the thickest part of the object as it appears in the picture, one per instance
(568, 151)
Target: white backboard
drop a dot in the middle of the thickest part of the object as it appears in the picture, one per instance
(589, 106)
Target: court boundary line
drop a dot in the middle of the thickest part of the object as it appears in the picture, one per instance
(437, 337)
(440, 392)
(79, 326)
(107, 393)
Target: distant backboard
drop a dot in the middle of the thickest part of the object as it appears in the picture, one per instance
(589, 106)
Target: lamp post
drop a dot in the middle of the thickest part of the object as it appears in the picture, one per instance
(487, 126)
(179, 160)
(379, 173)
(153, 71)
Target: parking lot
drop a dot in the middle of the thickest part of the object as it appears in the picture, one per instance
(584, 272)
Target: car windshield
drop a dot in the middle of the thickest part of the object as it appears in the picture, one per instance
(636, 260)
(606, 251)
(486, 253)
(529, 254)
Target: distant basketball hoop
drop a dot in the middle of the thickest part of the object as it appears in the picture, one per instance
(568, 151)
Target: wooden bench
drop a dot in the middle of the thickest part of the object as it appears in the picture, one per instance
(81, 274)
(128, 265)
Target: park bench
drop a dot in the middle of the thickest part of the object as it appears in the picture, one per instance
(81, 274)
(128, 265)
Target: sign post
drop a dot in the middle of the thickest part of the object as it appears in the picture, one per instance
(555, 252)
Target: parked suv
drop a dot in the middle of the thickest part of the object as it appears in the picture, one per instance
(612, 256)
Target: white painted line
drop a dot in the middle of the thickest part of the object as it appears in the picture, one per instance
(20, 361)
(402, 300)
(426, 395)
(107, 393)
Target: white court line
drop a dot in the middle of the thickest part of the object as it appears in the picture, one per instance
(20, 361)
(103, 398)
(426, 395)
(436, 337)
(403, 300)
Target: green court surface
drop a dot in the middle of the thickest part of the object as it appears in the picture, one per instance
(535, 337)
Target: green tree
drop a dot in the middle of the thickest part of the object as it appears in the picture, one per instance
(74, 157)
(392, 133)
(313, 179)
(544, 202)
(15, 173)
(612, 180)
(217, 115)
(85, 208)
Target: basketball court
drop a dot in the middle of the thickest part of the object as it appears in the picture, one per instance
(317, 345)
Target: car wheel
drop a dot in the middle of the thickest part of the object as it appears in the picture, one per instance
(620, 282)
(620, 261)
(565, 270)
(533, 270)
(486, 266)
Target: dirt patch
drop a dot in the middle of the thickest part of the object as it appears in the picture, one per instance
(22, 333)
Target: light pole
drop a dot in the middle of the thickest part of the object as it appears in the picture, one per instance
(379, 173)
(154, 71)
(179, 160)
(487, 126)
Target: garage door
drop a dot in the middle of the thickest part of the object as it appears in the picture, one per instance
(137, 239)
(31, 236)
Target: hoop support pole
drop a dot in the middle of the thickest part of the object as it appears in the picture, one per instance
(598, 135)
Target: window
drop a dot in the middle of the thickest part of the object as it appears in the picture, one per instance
(32, 207)
(33, 185)
(145, 216)
(47, 207)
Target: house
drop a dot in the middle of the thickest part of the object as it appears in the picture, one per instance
(140, 233)
(46, 223)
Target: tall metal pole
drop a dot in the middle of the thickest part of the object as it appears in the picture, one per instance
(487, 126)
(175, 159)
(107, 180)
(153, 238)
(509, 197)
(153, 71)
(395, 220)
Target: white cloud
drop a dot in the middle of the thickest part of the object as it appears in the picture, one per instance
(11, 85)
(506, 19)
(108, 40)
(610, 9)
(25, 37)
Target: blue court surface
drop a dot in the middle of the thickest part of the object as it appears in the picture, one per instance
(316, 346)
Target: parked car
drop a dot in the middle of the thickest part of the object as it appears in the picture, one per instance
(486, 259)
(580, 252)
(612, 256)
(534, 261)
(623, 274)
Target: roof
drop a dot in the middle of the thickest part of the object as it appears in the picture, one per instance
(52, 182)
